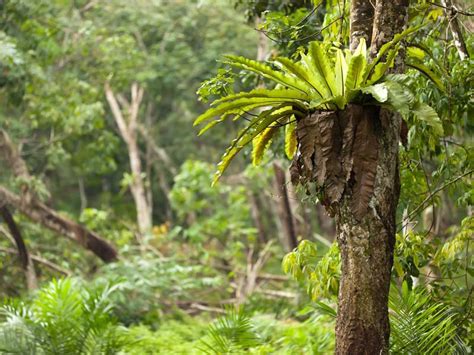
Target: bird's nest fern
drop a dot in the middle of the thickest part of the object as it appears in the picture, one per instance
(309, 95)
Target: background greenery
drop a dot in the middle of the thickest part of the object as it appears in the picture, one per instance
(209, 278)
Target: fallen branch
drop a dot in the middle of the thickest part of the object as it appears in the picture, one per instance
(49, 218)
(202, 307)
(40, 260)
(278, 294)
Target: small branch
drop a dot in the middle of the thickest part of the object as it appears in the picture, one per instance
(202, 307)
(435, 191)
(40, 260)
(159, 152)
(278, 294)
(461, 12)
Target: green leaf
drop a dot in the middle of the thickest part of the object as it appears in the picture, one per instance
(361, 48)
(354, 76)
(340, 72)
(427, 114)
(423, 69)
(239, 105)
(399, 97)
(387, 46)
(268, 72)
(323, 66)
(381, 68)
(290, 138)
(300, 72)
(256, 126)
(261, 143)
(378, 91)
(416, 53)
(268, 93)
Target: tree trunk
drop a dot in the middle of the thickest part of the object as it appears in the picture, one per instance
(256, 217)
(290, 240)
(128, 129)
(366, 243)
(366, 247)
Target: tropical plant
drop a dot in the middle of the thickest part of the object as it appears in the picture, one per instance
(319, 274)
(322, 80)
(420, 325)
(154, 284)
(231, 333)
(63, 318)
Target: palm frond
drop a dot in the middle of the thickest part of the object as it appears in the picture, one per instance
(420, 325)
(231, 333)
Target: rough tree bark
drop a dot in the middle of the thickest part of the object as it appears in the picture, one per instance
(367, 243)
(128, 127)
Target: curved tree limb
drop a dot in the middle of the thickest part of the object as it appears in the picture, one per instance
(26, 264)
(51, 219)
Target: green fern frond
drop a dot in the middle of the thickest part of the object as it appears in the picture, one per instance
(323, 66)
(268, 72)
(291, 142)
(354, 78)
(300, 72)
(382, 67)
(340, 72)
(268, 93)
(261, 143)
(243, 104)
(255, 127)
(381, 54)
(378, 91)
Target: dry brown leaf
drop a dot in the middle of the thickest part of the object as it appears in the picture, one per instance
(365, 154)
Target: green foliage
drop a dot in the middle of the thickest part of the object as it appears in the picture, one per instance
(318, 81)
(412, 252)
(63, 318)
(420, 325)
(154, 285)
(232, 333)
(180, 336)
(222, 212)
(321, 277)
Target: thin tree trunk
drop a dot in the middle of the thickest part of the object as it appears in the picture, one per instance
(459, 42)
(49, 218)
(257, 218)
(128, 129)
(25, 260)
(82, 193)
(284, 209)
(367, 243)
